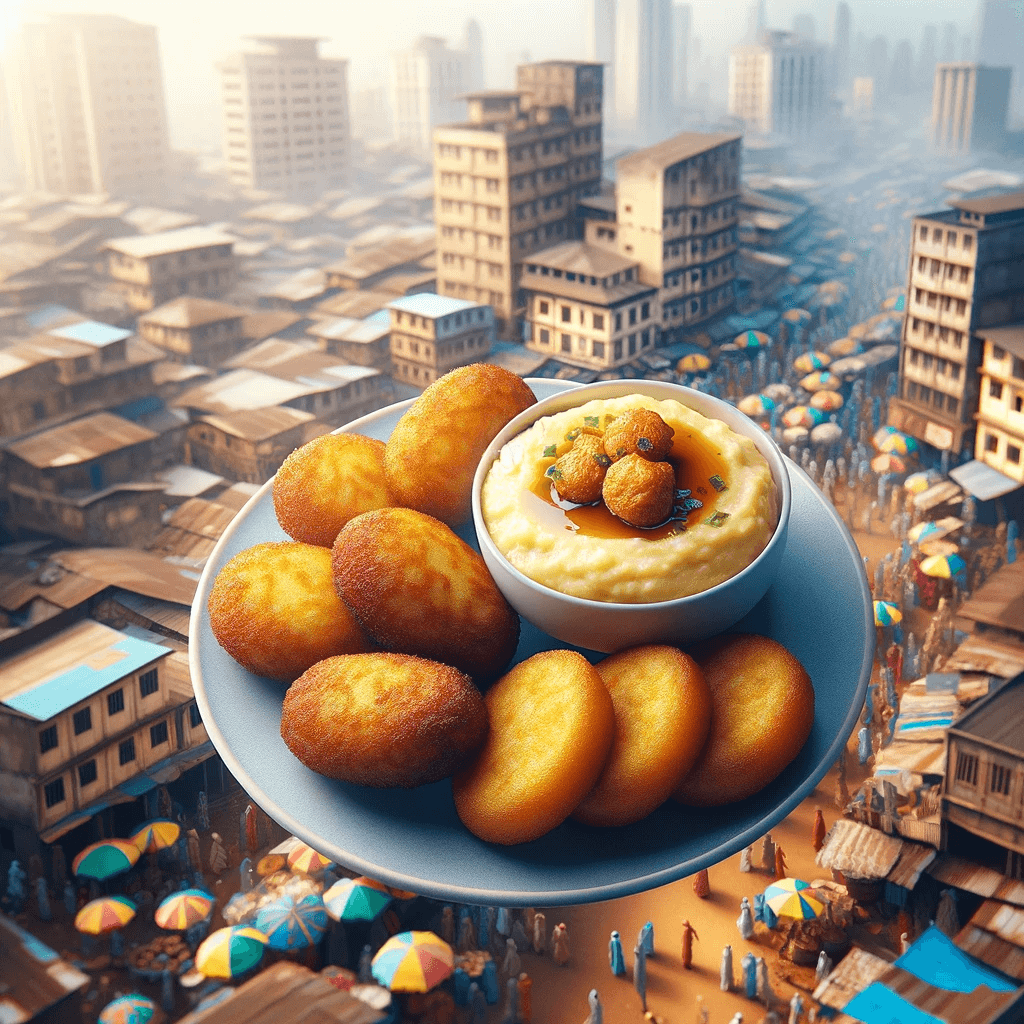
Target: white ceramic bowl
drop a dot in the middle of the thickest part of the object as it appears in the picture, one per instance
(607, 627)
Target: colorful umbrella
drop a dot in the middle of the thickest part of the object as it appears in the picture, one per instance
(807, 361)
(826, 401)
(305, 860)
(943, 566)
(797, 316)
(897, 303)
(917, 483)
(925, 531)
(820, 380)
(105, 859)
(356, 899)
(230, 951)
(787, 898)
(826, 433)
(886, 462)
(803, 416)
(413, 962)
(130, 1009)
(270, 863)
(183, 909)
(291, 923)
(889, 439)
(887, 614)
(158, 834)
(844, 347)
(755, 405)
(106, 914)
(752, 339)
(693, 362)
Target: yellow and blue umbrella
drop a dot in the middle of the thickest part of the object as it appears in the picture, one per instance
(925, 531)
(133, 1008)
(943, 566)
(307, 861)
(803, 416)
(106, 914)
(356, 899)
(897, 303)
(789, 897)
(826, 401)
(844, 347)
(821, 380)
(183, 909)
(887, 614)
(693, 362)
(755, 405)
(752, 339)
(158, 834)
(105, 859)
(889, 439)
(291, 923)
(918, 483)
(229, 952)
(886, 462)
(807, 361)
(413, 962)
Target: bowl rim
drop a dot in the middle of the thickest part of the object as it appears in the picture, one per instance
(578, 395)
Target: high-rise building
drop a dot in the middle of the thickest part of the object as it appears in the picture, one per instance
(927, 57)
(677, 210)
(428, 82)
(778, 85)
(86, 103)
(473, 45)
(1001, 43)
(599, 36)
(681, 20)
(841, 47)
(643, 68)
(286, 119)
(507, 180)
(964, 263)
(969, 107)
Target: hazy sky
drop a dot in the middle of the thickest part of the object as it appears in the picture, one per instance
(196, 33)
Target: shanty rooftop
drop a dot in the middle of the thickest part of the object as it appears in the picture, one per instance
(672, 151)
(80, 441)
(192, 311)
(144, 247)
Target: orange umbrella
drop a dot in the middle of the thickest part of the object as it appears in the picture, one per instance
(888, 463)
(158, 834)
(820, 380)
(826, 400)
(106, 914)
(183, 909)
(305, 860)
(694, 362)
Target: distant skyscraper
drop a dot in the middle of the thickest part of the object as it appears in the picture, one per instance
(803, 26)
(681, 18)
(286, 117)
(473, 44)
(1001, 43)
(426, 83)
(901, 74)
(927, 58)
(948, 51)
(86, 103)
(643, 68)
(969, 107)
(841, 47)
(599, 34)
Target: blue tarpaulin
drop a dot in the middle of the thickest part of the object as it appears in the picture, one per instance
(934, 958)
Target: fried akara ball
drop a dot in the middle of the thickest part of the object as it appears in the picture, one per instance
(432, 454)
(273, 608)
(579, 474)
(639, 492)
(326, 482)
(638, 432)
(417, 588)
(383, 719)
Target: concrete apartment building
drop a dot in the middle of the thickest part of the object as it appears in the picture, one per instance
(1000, 438)
(506, 181)
(779, 85)
(969, 107)
(90, 717)
(432, 334)
(427, 84)
(677, 212)
(587, 306)
(285, 116)
(153, 269)
(86, 102)
(966, 274)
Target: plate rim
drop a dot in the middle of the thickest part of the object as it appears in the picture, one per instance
(561, 897)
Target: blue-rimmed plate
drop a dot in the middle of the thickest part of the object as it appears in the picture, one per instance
(819, 608)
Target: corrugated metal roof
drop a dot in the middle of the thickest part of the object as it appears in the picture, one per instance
(92, 332)
(301, 286)
(858, 850)
(241, 390)
(141, 572)
(191, 311)
(265, 322)
(920, 757)
(999, 717)
(913, 859)
(853, 974)
(654, 159)
(164, 242)
(80, 441)
(258, 424)
(203, 518)
(1002, 919)
(982, 881)
(989, 653)
(71, 666)
(33, 978)
(982, 480)
(237, 495)
(356, 304)
(999, 601)
(982, 945)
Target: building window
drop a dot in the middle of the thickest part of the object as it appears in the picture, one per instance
(924, 234)
(87, 773)
(158, 734)
(115, 702)
(598, 321)
(968, 242)
(566, 315)
(543, 308)
(598, 350)
(966, 768)
(53, 792)
(126, 751)
(545, 336)
(1013, 454)
(632, 344)
(47, 738)
(632, 315)
(991, 443)
(999, 777)
(566, 343)
(645, 311)
(617, 350)
(618, 321)
(82, 721)
(995, 389)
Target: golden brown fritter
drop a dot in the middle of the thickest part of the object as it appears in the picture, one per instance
(638, 432)
(640, 492)
(417, 588)
(579, 474)
(274, 609)
(326, 482)
(434, 449)
(383, 719)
